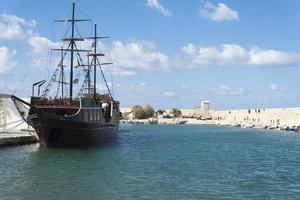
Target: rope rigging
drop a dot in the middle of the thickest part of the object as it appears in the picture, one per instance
(103, 76)
(59, 76)
(53, 78)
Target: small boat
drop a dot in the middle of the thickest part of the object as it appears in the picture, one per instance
(248, 126)
(293, 128)
(272, 127)
(260, 126)
(283, 128)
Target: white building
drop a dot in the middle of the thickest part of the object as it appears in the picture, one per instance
(205, 106)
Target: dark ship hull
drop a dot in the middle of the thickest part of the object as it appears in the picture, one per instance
(88, 124)
(61, 133)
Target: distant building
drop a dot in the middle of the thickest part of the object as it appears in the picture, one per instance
(205, 106)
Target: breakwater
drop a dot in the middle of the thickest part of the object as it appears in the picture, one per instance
(273, 117)
(263, 117)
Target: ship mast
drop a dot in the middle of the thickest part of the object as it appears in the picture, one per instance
(95, 59)
(62, 72)
(72, 47)
(72, 51)
(89, 75)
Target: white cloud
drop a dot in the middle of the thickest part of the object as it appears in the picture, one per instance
(123, 72)
(8, 87)
(12, 26)
(155, 4)
(40, 46)
(169, 94)
(141, 88)
(276, 87)
(39, 43)
(128, 57)
(42, 54)
(102, 87)
(6, 62)
(272, 57)
(228, 90)
(190, 49)
(233, 54)
(219, 12)
(144, 92)
(143, 84)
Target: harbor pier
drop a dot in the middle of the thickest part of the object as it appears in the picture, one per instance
(265, 118)
(17, 138)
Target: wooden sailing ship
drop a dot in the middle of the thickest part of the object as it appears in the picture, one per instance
(66, 119)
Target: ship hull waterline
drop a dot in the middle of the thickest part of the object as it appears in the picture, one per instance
(63, 133)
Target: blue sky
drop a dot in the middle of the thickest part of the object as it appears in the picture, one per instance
(166, 53)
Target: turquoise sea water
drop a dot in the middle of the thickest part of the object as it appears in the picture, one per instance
(159, 162)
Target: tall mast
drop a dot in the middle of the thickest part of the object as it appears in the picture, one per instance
(71, 48)
(89, 75)
(62, 72)
(95, 59)
(72, 52)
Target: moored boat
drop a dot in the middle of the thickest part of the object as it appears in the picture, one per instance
(69, 120)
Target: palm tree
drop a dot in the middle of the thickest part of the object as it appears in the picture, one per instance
(176, 112)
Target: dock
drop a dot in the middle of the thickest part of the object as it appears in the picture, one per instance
(17, 138)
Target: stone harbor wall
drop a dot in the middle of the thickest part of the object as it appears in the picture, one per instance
(192, 112)
(268, 117)
(265, 117)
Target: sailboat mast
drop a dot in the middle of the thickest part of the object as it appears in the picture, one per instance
(72, 51)
(95, 58)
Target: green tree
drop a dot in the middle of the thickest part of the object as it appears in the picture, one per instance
(138, 112)
(149, 111)
(160, 112)
(176, 112)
